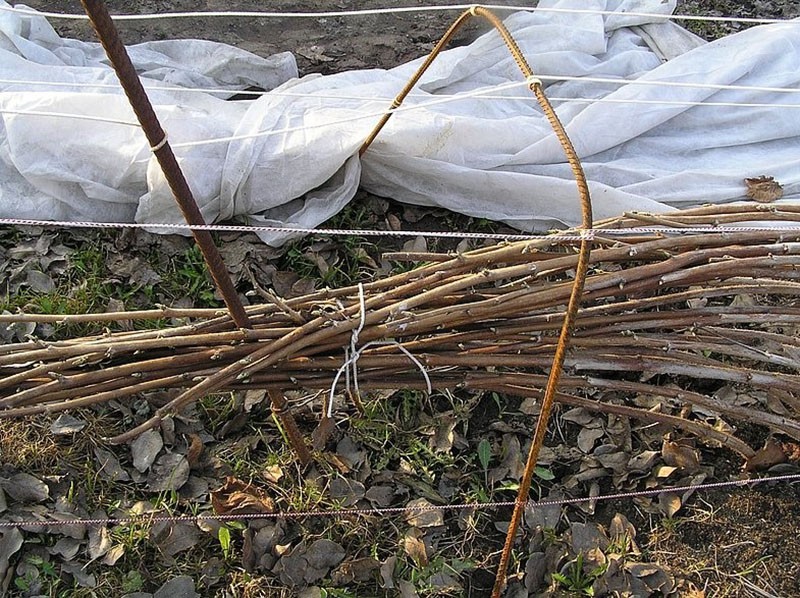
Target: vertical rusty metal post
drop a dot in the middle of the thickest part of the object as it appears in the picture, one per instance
(109, 37)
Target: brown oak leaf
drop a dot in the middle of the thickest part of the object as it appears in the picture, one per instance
(236, 497)
(764, 189)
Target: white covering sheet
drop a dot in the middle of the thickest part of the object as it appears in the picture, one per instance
(494, 159)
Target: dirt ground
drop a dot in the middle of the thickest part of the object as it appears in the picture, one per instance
(725, 543)
(322, 45)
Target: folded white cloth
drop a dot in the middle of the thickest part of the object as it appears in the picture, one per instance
(490, 158)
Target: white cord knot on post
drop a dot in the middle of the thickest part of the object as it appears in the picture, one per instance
(159, 145)
(533, 81)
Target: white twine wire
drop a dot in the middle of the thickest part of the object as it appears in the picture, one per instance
(275, 229)
(387, 511)
(46, 113)
(353, 353)
(359, 117)
(476, 94)
(396, 10)
(482, 93)
(679, 84)
(354, 339)
(583, 234)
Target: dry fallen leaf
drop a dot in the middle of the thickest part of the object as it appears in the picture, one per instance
(65, 424)
(195, 450)
(649, 579)
(350, 453)
(669, 503)
(422, 514)
(236, 497)
(110, 469)
(115, 553)
(346, 492)
(273, 473)
(791, 449)
(387, 572)
(685, 458)
(771, 454)
(67, 548)
(587, 437)
(81, 577)
(99, 540)
(512, 465)
(173, 537)
(177, 587)
(764, 189)
(544, 516)
(356, 570)
(442, 440)
(25, 488)
(693, 592)
(170, 472)
(10, 542)
(415, 547)
(586, 536)
(380, 496)
(407, 589)
(307, 564)
(623, 534)
(145, 449)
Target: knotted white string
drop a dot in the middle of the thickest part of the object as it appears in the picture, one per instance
(353, 353)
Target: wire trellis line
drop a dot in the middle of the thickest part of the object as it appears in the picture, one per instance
(379, 511)
(448, 97)
(356, 232)
(478, 93)
(397, 10)
(440, 100)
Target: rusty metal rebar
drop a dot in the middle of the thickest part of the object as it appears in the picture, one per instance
(580, 270)
(157, 138)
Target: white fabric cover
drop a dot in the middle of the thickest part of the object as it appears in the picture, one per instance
(494, 159)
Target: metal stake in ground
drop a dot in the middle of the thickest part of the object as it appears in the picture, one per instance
(109, 37)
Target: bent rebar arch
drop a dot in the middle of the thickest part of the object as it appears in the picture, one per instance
(580, 270)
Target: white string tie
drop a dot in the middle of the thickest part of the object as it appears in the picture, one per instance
(159, 145)
(352, 354)
(393, 10)
(533, 81)
(362, 303)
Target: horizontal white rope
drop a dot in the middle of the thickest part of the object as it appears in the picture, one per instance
(435, 102)
(270, 229)
(56, 520)
(572, 236)
(482, 93)
(396, 10)
(101, 119)
(379, 114)
(678, 84)
(364, 116)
